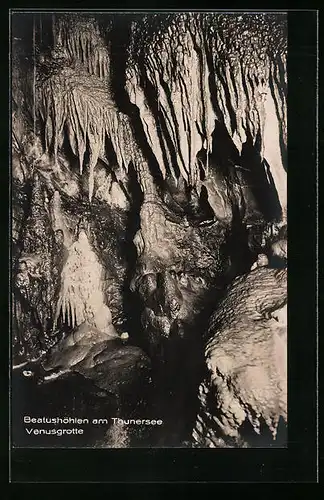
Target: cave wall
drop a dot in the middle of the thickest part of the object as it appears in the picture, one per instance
(149, 161)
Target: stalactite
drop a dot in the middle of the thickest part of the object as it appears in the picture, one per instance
(180, 60)
(84, 43)
(169, 165)
(85, 107)
(180, 74)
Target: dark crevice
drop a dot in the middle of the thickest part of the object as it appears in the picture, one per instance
(229, 105)
(131, 303)
(119, 42)
(164, 290)
(255, 177)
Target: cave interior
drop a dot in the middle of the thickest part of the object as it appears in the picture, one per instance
(149, 230)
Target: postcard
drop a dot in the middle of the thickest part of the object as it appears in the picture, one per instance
(148, 229)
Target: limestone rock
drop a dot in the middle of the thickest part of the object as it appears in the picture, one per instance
(246, 357)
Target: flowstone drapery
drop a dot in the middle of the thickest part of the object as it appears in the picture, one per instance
(149, 176)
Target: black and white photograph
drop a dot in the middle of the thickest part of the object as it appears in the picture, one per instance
(148, 213)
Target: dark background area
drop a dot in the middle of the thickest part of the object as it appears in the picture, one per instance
(298, 462)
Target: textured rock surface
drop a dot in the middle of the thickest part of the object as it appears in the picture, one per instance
(246, 358)
(100, 357)
(149, 172)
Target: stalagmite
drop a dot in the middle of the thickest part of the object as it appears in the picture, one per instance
(156, 183)
(81, 298)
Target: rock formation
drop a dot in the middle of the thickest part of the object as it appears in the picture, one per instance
(246, 358)
(149, 158)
